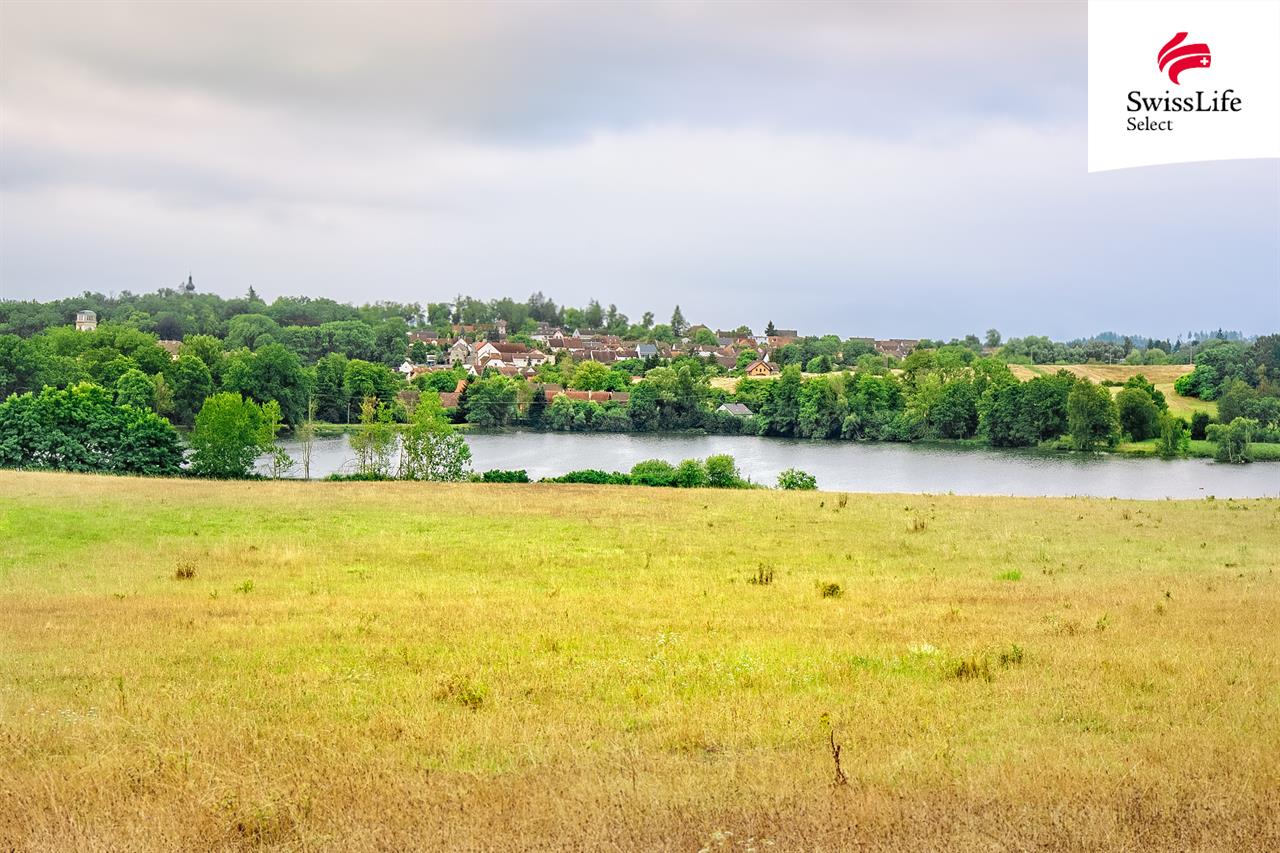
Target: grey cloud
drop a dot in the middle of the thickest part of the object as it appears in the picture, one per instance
(891, 169)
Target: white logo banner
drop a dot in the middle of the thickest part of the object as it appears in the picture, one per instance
(1183, 80)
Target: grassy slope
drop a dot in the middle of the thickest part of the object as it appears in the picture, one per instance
(564, 667)
(1161, 375)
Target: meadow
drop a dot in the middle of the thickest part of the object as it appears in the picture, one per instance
(1162, 376)
(310, 666)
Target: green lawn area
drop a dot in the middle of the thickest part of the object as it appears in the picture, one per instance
(315, 666)
(1260, 451)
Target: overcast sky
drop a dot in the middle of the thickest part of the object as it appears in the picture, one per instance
(882, 169)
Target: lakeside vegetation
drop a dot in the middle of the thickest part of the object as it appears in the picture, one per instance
(191, 664)
(299, 364)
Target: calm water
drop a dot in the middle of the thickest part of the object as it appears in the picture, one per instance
(854, 467)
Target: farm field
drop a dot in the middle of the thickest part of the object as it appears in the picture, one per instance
(289, 665)
(1161, 375)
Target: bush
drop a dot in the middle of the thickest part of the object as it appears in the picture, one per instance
(500, 476)
(653, 472)
(793, 479)
(722, 472)
(1233, 440)
(691, 474)
(592, 477)
(1171, 439)
(79, 428)
(829, 589)
(1199, 425)
(229, 435)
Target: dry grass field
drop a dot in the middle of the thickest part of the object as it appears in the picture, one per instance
(1161, 375)
(343, 666)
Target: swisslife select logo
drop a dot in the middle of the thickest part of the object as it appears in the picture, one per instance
(1174, 59)
(1159, 93)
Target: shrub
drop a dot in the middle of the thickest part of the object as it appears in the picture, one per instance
(1233, 440)
(970, 668)
(793, 479)
(762, 577)
(1171, 438)
(829, 589)
(499, 476)
(79, 428)
(1011, 656)
(692, 474)
(722, 472)
(653, 472)
(1199, 425)
(592, 477)
(229, 435)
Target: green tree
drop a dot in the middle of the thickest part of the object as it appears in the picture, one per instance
(559, 415)
(81, 429)
(491, 401)
(722, 472)
(1233, 439)
(993, 338)
(1139, 417)
(1091, 416)
(781, 409)
(653, 472)
(1199, 425)
(431, 447)
(365, 379)
(136, 389)
(705, 337)
(1172, 439)
(353, 338)
(230, 433)
(1142, 383)
(954, 413)
(678, 324)
(794, 479)
(206, 348)
(330, 390)
(251, 331)
(590, 376)
(691, 474)
(271, 373)
(374, 441)
(1235, 401)
(192, 383)
(391, 341)
(819, 414)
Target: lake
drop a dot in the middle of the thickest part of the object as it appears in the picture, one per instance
(855, 467)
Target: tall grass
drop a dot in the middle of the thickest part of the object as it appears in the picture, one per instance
(406, 665)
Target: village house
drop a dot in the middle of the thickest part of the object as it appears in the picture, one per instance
(762, 367)
(462, 352)
(550, 392)
(782, 337)
(426, 336)
(738, 410)
(896, 347)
